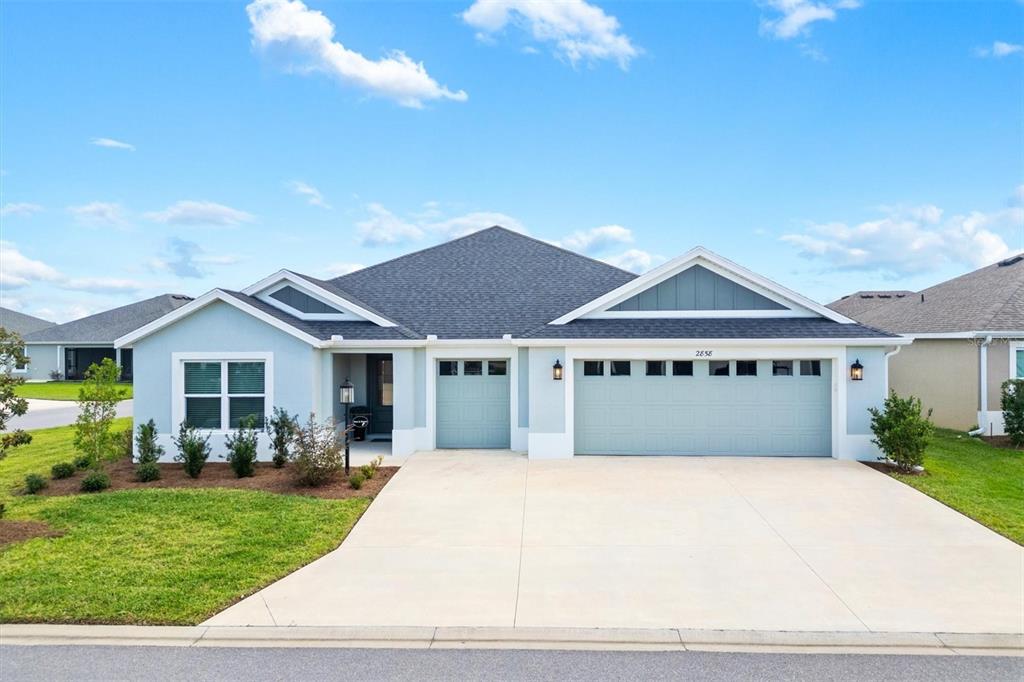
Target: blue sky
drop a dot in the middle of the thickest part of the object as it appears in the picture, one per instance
(831, 145)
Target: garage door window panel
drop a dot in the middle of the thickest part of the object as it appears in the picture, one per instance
(718, 368)
(593, 368)
(472, 368)
(655, 368)
(746, 368)
(620, 368)
(782, 368)
(448, 368)
(810, 368)
(497, 368)
(682, 368)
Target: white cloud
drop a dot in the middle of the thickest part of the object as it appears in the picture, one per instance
(22, 209)
(999, 49)
(580, 31)
(186, 258)
(791, 18)
(306, 38)
(597, 239)
(634, 260)
(102, 284)
(200, 213)
(1018, 196)
(112, 144)
(339, 269)
(908, 241)
(460, 226)
(311, 194)
(18, 270)
(384, 228)
(99, 213)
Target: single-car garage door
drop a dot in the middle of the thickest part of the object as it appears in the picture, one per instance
(702, 407)
(473, 404)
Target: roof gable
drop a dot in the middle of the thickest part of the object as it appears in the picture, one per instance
(700, 284)
(106, 326)
(308, 298)
(20, 323)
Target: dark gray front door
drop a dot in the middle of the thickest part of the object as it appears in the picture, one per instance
(381, 392)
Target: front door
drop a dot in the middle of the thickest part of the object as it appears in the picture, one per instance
(381, 393)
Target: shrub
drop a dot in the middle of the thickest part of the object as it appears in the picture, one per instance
(34, 483)
(123, 443)
(56, 375)
(1012, 402)
(97, 408)
(281, 427)
(900, 431)
(145, 444)
(147, 471)
(356, 480)
(62, 470)
(95, 481)
(81, 462)
(367, 471)
(193, 449)
(317, 452)
(241, 447)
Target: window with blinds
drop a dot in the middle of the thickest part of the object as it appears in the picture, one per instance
(219, 395)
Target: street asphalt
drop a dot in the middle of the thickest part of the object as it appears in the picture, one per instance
(43, 414)
(54, 663)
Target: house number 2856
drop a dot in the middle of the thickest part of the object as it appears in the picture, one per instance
(703, 354)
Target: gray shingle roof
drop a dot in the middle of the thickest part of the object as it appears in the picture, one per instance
(706, 328)
(988, 299)
(356, 331)
(108, 325)
(862, 301)
(483, 285)
(20, 323)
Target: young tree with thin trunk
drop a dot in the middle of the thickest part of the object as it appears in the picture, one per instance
(12, 356)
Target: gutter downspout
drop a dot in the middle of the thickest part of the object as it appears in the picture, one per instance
(894, 351)
(982, 384)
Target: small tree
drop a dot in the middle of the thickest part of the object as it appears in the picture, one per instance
(241, 446)
(901, 432)
(1012, 402)
(281, 427)
(193, 449)
(317, 452)
(12, 355)
(97, 408)
(148, 452)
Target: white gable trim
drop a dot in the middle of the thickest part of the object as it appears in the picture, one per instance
(285, 277)
(200, 303)
(339, 316)
(798, 305)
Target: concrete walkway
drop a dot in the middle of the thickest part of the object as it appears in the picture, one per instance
(492, 539)
(44, 414)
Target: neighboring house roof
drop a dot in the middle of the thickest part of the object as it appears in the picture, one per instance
(484, 285)
(861, 301)
(20, 323)
(988, 299)
(108, 325)
(707, 328)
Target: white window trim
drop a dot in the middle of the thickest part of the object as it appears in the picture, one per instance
(178, 361)
(1014, 347)
(28, 361)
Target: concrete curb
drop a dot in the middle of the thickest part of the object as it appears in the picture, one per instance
(668, 639)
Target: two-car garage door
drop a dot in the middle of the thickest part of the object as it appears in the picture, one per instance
(702, 407)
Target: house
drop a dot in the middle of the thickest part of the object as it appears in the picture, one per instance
(68, 349)
(968, 339)
(20, 323)
(498, 340)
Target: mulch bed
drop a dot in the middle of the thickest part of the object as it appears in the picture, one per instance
(220, 475)
(891, 469)
(16, 531)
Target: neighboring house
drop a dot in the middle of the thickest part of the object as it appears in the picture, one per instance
(968, 339)
(498, 340)
(68, 349)
(21, 324)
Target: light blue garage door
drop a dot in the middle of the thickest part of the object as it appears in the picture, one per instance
(700, 407)
(473, 404)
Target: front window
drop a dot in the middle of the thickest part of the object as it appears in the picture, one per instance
(1020, 363)
(220, 394)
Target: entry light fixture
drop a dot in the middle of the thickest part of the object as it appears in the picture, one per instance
(347, 393)
(556, 371)
(856, 370)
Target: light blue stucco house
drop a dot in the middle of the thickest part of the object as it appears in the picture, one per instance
(498, 340)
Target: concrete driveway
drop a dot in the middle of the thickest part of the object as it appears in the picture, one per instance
(492, 539)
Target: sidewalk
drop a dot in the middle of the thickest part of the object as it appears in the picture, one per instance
(903, 643)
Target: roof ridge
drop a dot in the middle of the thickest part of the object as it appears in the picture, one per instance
(475, 234)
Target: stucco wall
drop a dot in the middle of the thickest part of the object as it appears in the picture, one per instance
(44, 359)
(998, 371)
(220, 328)
(943, 373)
(864, 394)
(547, 396)
(524, 387)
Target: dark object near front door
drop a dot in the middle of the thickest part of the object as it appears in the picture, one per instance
(381, 393)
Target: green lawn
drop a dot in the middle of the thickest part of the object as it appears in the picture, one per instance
(157, 556)
(59, 390)
(981, 481)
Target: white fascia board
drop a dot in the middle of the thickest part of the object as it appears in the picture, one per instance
(771, 343)
(203, 301)
(688, 259)
(303, 283)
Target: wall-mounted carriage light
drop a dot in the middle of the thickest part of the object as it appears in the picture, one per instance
(856, 370)
(556, 371)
